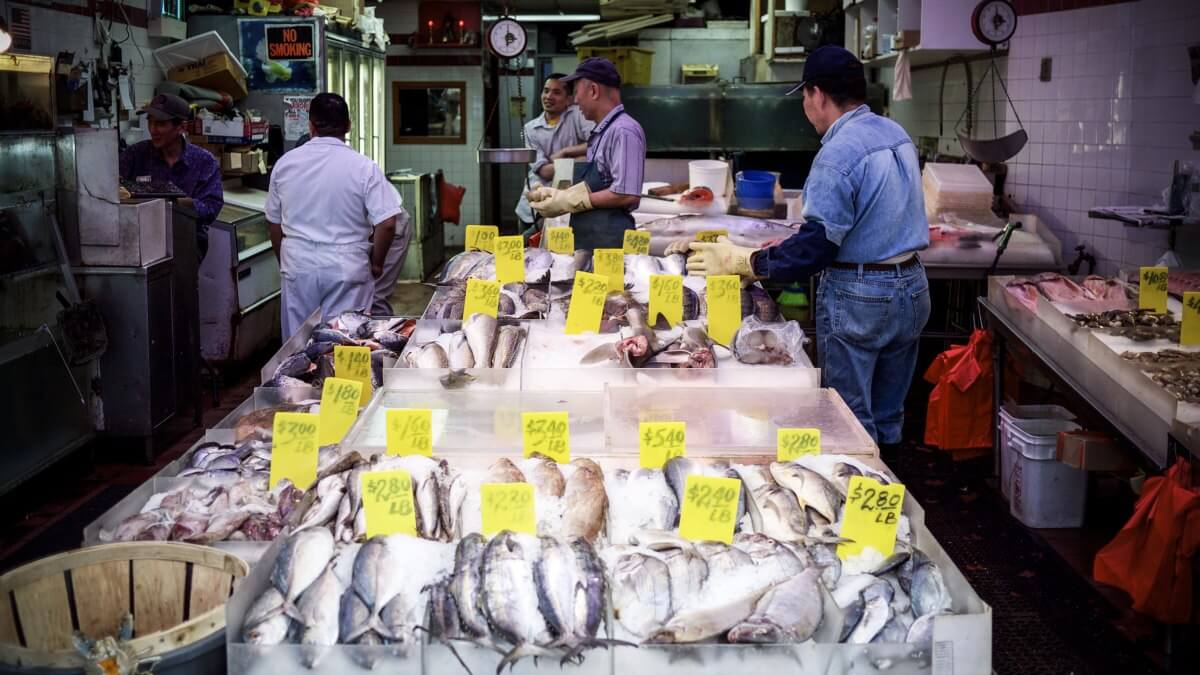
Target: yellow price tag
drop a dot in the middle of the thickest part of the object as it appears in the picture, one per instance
(507, 506)
(1152, 292)
(294, 449)
(724, 307)
(410, 431)
(339, 408)
(388, 503)
(710, 236)
(510, 259)
(666, 298)
(587, 303)
(548, 433)
(483, 297)
(793, 443)
(610, 262)
(560, 240)
(637, 242)
(354, 363)
(659, 442)
(1190, 332)
(709, 509)
(871, 517)
(482, 238)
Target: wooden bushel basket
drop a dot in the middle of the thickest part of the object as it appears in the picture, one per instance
(176, 593)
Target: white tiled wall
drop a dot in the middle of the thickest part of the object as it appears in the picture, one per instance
(1107, 127)
(919, 115)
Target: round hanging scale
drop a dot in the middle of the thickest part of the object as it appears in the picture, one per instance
(994, 22)
(506, 38)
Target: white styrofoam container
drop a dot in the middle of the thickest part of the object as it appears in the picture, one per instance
(1044, 492)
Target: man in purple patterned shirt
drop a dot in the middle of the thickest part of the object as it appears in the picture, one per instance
(167, 156)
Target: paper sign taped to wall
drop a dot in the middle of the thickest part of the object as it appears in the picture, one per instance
(295, 117)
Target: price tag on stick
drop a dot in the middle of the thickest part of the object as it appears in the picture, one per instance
(294, 449)
(510, 260)
(871, 517)
(482, 238)
(1190, 331)
(724, 307)
(709, 510)
(560, 240)
(637, 242)
(666, 298)
(340, 399)
(587, 303)
(1152, 291)
(710, 236)
(410, 432)
(547, 433)
(507, 506)
(658, 442)
(483, 297)
(793, 443)
(354, 363)
(610, 262)
(388, 502)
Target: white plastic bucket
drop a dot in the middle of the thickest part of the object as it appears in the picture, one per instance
(1022, 413)
(710, 173)
(1044, 492)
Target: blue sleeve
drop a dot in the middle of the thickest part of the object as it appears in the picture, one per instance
(799, 257)
(208, 194)
(829, 200)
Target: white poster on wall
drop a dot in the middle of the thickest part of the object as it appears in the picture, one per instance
(295, 117)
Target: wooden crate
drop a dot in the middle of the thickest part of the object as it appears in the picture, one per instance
(633, 63)
(175, 592)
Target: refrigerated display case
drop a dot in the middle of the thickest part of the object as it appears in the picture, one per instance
(359, 74)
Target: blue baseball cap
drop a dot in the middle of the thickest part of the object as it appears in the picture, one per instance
(597, 69)
(829, 67)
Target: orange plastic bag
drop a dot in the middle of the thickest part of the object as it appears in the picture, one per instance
(1151, 557)
(960, 406)
(450, 198)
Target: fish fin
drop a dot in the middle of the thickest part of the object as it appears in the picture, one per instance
(290, 609)
(605, 352)
(575, 653)
(522, 650)
(452, 649)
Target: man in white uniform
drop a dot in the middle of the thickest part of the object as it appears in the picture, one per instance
(332, 216)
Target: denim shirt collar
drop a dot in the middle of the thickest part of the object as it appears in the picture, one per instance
(844, 119)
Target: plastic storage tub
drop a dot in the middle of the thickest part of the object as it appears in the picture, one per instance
(1011, 413)
(755, 184)
(710, 173)
(1044, 492)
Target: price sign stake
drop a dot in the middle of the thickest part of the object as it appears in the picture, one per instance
(410, 431)
(339, 408)
(871, 517)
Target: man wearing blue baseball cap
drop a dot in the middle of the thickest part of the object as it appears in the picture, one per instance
(864, 221)
(607, 186)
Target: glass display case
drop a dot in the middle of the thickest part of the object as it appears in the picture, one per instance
(359, 74)
(239, 286)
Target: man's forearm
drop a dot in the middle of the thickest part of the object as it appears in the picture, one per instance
(607, 199)
(384, 233)
(276, 232)
(577, 150)
(546, 172)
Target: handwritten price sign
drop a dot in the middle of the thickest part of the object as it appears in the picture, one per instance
(724, 307)
(560, 240)
(1190, 332)
(637, 242)
(709, 510)
(510, 260)
(339, 408)
(388, 501)
(710, 236)
(548, 433)
(294, 449)
(587, 303)
(659, 442)
(482, 238)
(793, 443)
(610, 262)
(1152, 292)
(871, 517)
(507, 506)
(354, 363)
(666, 298)
(483, 297)
(410, 432)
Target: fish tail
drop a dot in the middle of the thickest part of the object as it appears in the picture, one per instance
(291, 611)
(522, 650)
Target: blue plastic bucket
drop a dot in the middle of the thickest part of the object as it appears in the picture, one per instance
(755, 184)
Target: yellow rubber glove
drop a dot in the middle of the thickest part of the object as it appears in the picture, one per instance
(721, 257)
(679, 246)
(551, 202)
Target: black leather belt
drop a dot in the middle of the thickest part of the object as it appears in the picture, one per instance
(878, 267)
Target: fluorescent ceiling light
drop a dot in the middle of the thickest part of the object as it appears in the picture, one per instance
(546, 18)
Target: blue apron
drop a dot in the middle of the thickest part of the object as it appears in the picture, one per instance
(598, 228)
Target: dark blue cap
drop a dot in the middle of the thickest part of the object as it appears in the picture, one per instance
(597, 69)
(830, 67)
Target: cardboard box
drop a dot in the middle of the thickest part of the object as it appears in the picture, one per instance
(217, 71)
(243, 162)
(906, 39)
(1093, 451)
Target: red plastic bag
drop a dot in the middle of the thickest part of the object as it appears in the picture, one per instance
(960, 406)
(450, 198)
(1151, 557)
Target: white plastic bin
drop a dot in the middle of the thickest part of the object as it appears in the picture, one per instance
(1011, 413)
(1044, 492)
(710, 173)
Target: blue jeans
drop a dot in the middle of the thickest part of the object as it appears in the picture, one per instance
(868, 323)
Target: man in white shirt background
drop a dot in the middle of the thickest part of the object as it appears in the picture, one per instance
(560, 132)
(332, 215)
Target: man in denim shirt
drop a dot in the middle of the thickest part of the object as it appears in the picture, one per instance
(864, 221)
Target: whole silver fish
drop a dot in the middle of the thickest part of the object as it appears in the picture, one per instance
(508, 345)
(789, 612)
(330, 491)
(273, 631)
(556, 577)
(458, 269)
(810, 488)
(302, 559)
(537, 265)
(921, 631)
(452, 492)
(267, 606)
(648, 492)
(688, 574)
(589, 600)
(354, 617)
(928, 590)
(443, 612)
(510, 596)
(876, 613)
(776, 513)
(709, 619)
(481, 336)
(424, 473)
(723, 559)
(773, 560)
(467, 582)
(319, 609)
(641, 590)
(430, 355)
(825, 557)
(459, 352)
(375, 579)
